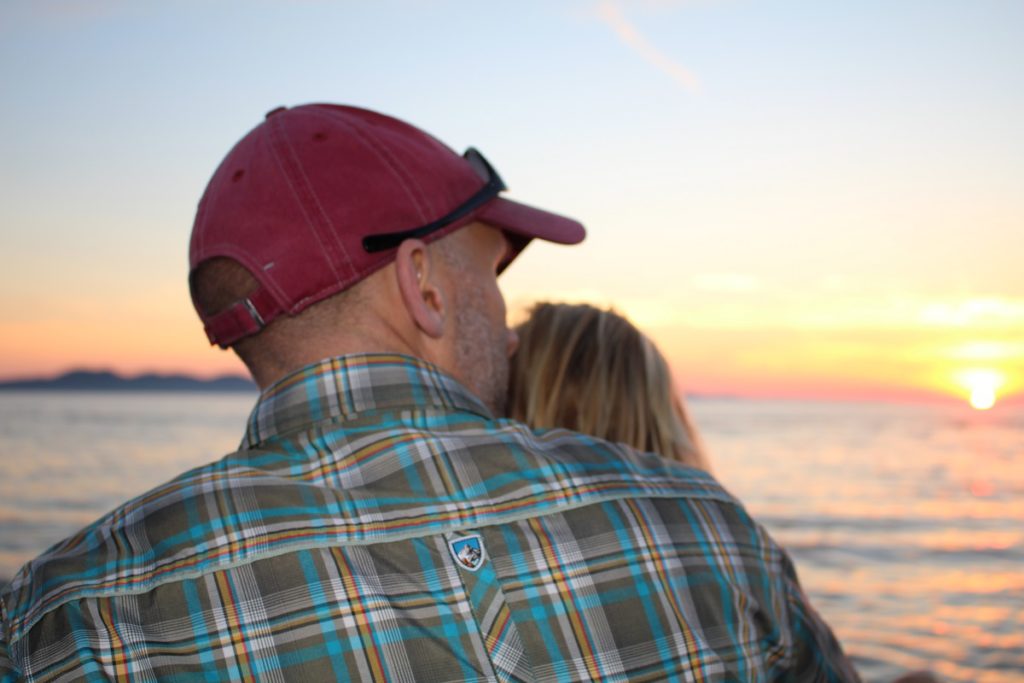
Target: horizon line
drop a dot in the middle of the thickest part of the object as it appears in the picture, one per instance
(908, 396)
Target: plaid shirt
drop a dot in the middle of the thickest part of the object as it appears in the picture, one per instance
(378, 523)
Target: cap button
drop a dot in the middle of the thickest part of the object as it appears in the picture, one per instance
(274, 111)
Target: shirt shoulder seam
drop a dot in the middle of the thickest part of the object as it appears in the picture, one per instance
(18, 631)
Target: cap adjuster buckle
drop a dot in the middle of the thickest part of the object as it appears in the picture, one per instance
(256, 317)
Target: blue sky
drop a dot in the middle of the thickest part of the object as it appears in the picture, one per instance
(750, 168)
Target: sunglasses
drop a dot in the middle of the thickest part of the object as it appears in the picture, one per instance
(492, 186)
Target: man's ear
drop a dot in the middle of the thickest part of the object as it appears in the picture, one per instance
(417, 282)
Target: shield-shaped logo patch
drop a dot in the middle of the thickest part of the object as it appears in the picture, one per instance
(468, 551)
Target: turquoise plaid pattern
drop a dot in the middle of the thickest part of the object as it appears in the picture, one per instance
(320, 551)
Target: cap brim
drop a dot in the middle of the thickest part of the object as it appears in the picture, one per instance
(530, 222)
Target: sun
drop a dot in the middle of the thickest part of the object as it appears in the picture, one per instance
(983, 385)
(983, 397)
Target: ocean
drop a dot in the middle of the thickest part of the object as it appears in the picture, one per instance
(906, 522)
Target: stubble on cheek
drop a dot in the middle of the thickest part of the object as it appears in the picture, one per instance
(482, 347)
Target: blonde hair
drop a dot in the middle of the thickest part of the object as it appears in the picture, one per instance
(592, 371)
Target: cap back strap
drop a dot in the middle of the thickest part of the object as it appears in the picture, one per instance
(242, 318)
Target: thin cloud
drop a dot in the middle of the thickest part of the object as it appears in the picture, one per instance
(973, 312)
(611, 14)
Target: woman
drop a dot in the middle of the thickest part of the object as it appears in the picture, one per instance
(592, 371)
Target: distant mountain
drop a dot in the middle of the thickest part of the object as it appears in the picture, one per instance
(84, 380)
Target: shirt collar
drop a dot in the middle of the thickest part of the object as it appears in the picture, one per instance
(346, 386)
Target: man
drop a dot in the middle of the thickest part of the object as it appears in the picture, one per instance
(379, 521)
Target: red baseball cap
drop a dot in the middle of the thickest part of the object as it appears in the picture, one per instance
(317, 197)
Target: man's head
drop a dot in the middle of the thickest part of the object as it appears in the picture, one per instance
(306, 228)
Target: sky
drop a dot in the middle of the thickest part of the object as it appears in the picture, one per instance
(793, 198)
